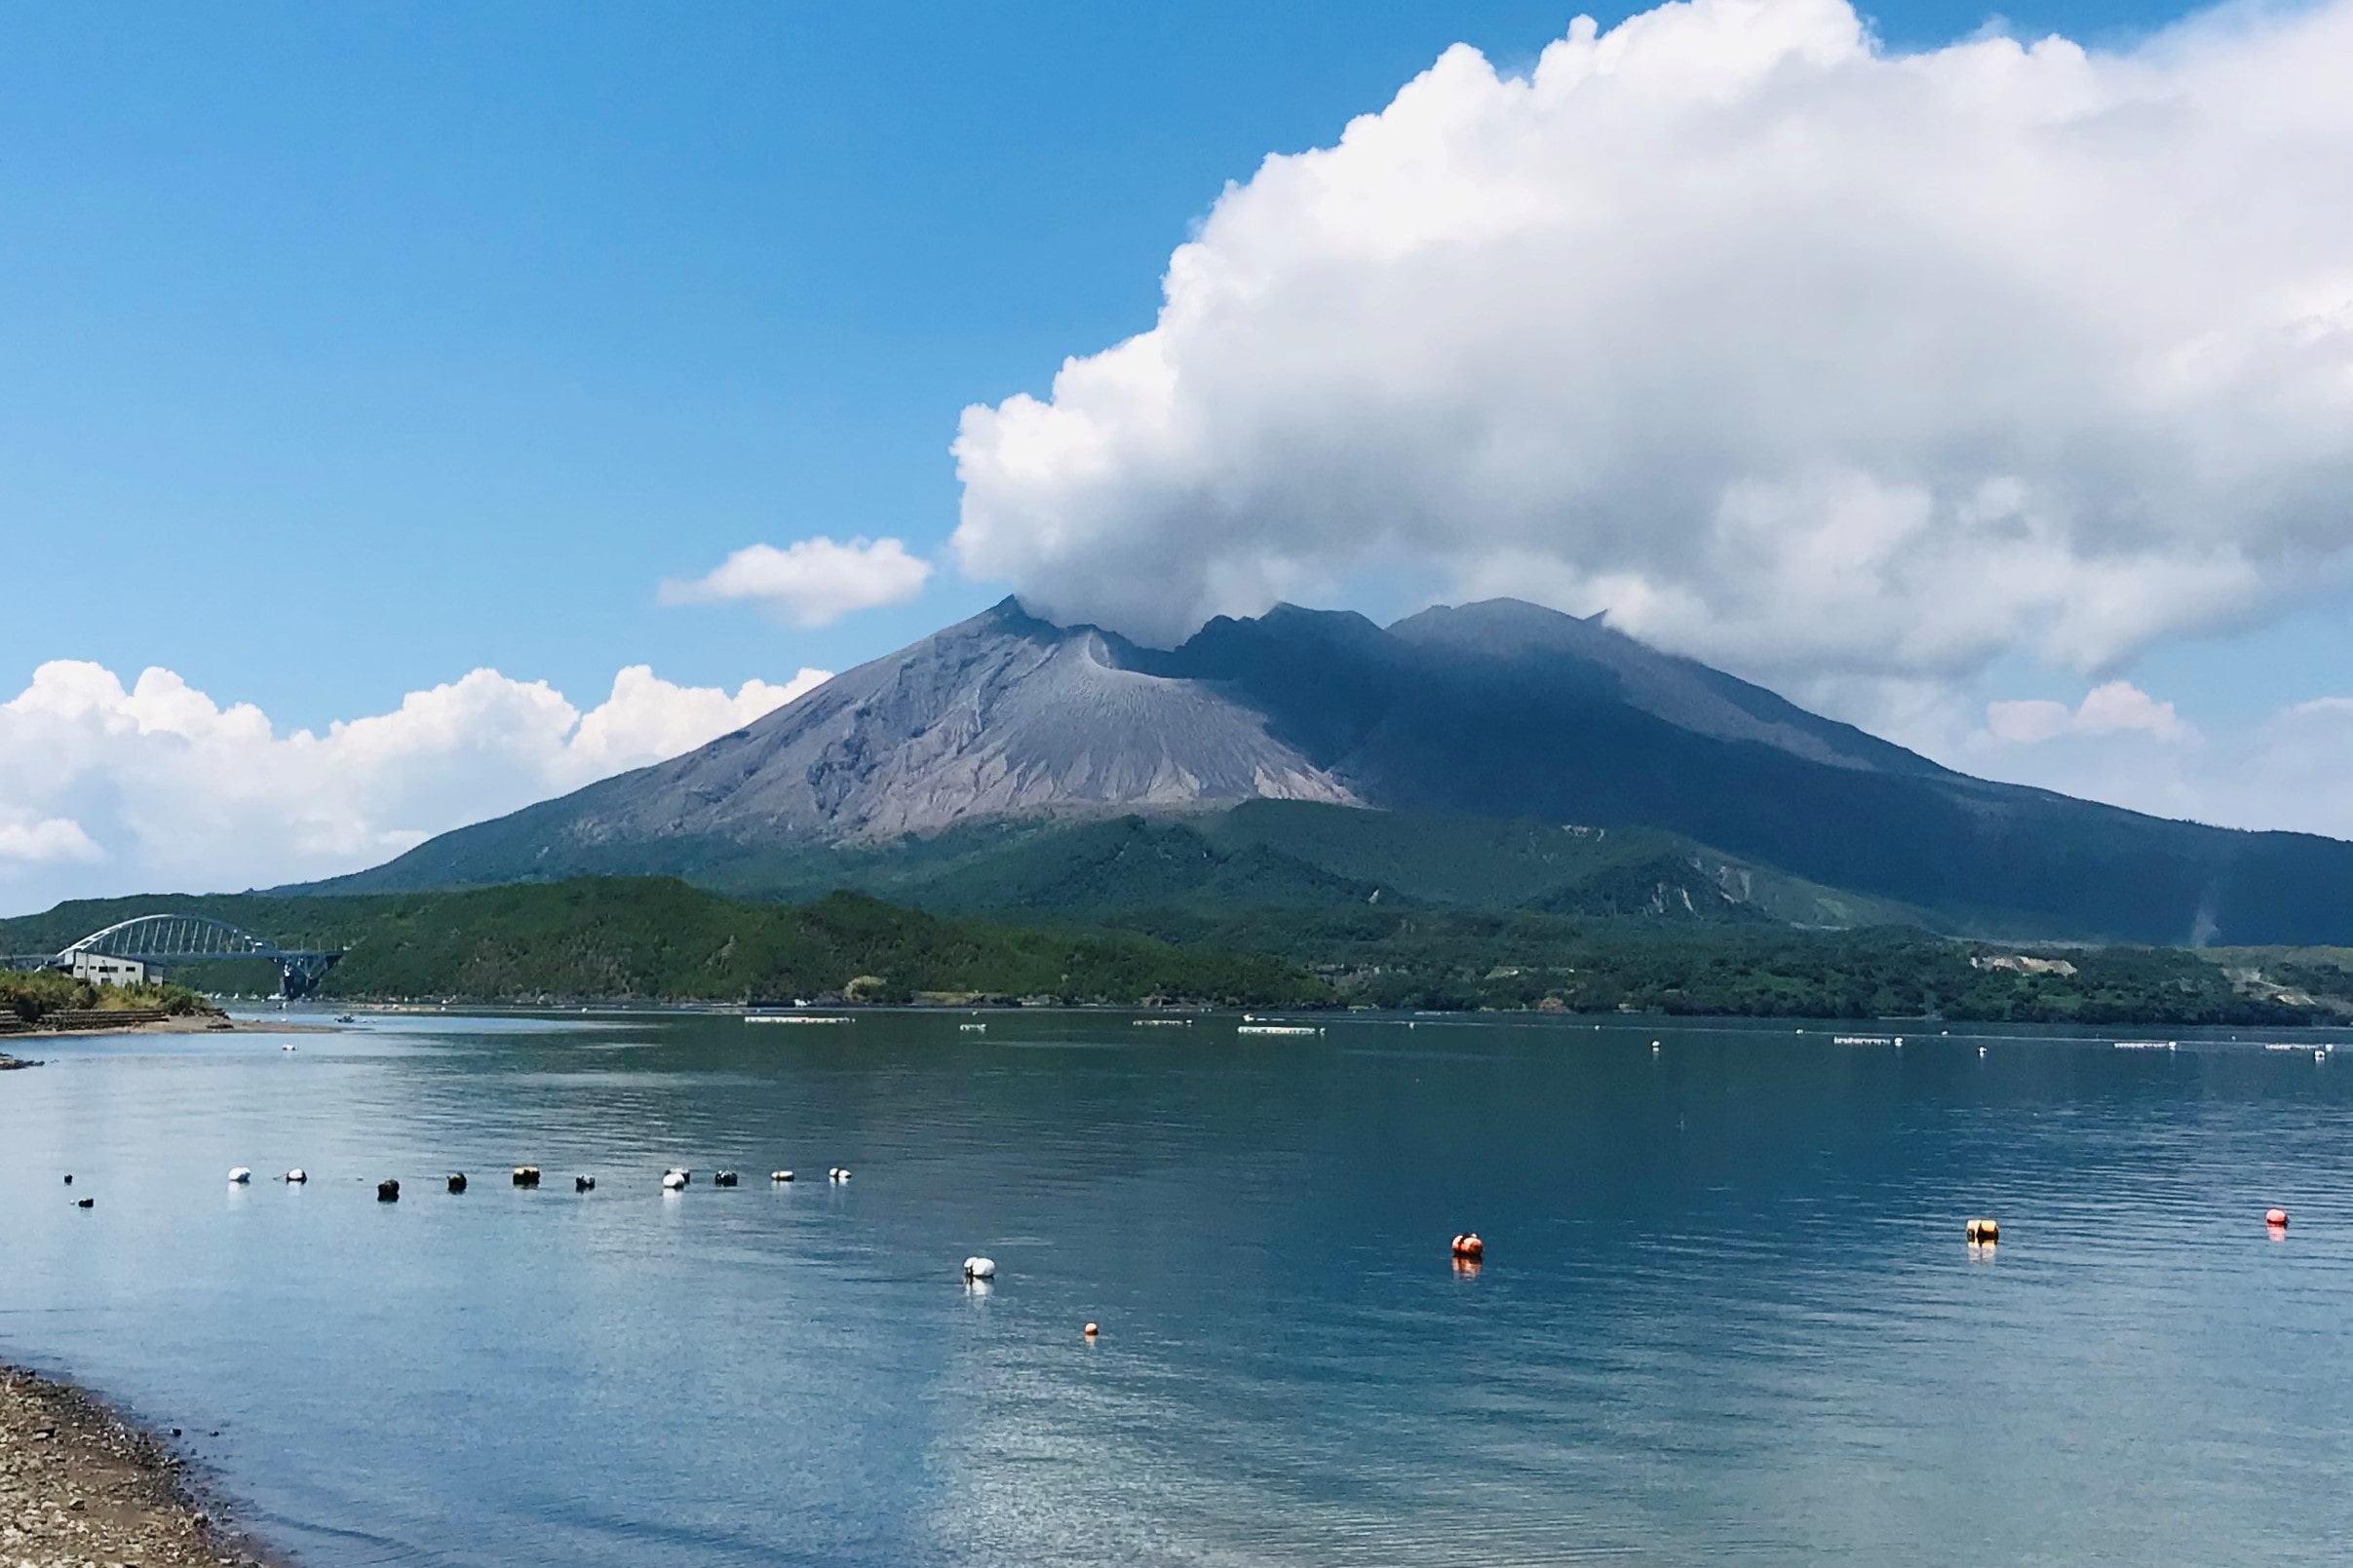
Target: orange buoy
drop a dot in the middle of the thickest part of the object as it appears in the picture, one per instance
(1985, 1232)
(2276, 1217)
(1091, 1330)
(1469, 1245)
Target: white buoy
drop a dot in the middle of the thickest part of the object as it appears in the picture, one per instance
(1654, 1046)
(779, 1175)
(1981, 1051)
(240, 1175)
(979, 1268)
(841, 1172)
(673, 1180)
(297, 1176)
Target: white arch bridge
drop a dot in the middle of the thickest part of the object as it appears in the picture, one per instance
(165, 942)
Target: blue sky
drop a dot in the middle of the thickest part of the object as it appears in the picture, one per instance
(345, 349)
(387, 341)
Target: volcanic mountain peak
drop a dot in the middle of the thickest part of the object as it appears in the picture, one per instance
(1492, 710)
(1002, 715)
(1684, 692)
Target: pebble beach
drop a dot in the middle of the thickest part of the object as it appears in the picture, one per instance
(80, 1487)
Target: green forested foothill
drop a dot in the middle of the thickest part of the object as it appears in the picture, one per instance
(661, 940)
(1453, 959)
(658, 939)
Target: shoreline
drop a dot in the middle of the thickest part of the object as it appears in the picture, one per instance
(81, 1482)
(195, 1024)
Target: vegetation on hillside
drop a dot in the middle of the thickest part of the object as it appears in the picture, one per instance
(1452, 959)
(660, 939)
(657, 939)
(31, 995)
(1281, 854)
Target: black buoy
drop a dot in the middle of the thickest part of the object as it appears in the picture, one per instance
(457, 1181)
(69, 1179)
(526, 1175)
(725, 1178)
(584, 1184)
(85, 1202)
(388, 1192)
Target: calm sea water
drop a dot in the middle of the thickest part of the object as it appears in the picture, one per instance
(1727, 1315)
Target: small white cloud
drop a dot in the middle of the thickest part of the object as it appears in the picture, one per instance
(2285, 771)
(811, 583)
(2027, 723)
(646, 717)
(186, 794)
(2119, 706)
(2115, 708)
(51, 838)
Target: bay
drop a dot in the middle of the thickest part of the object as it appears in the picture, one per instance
(1727, 1310)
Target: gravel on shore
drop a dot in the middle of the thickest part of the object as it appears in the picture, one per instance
(80, 1487)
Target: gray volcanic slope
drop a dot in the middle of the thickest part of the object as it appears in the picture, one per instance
(1003, 715)
(1499, 709)
(1683, 692)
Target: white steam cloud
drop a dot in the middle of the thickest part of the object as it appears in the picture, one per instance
(156, 787)
(1802, 355)
(2116, 707)
(810, 582)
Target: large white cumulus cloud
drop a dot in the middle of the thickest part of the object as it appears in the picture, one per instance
(1790, 352)
(156, 787)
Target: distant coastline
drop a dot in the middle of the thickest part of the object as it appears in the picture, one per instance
(662, 941)
(195, 1024)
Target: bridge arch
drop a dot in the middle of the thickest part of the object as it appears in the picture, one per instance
(162, 940)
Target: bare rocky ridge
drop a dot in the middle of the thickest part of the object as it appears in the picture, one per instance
(1492, 710)
(1683, 692)
(1000, 715)
(1008, 715)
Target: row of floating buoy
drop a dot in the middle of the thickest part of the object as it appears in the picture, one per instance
(525, 1176)
(1467, 1246)
(1989, 1233)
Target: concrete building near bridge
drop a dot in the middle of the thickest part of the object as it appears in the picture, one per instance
(105, 971)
